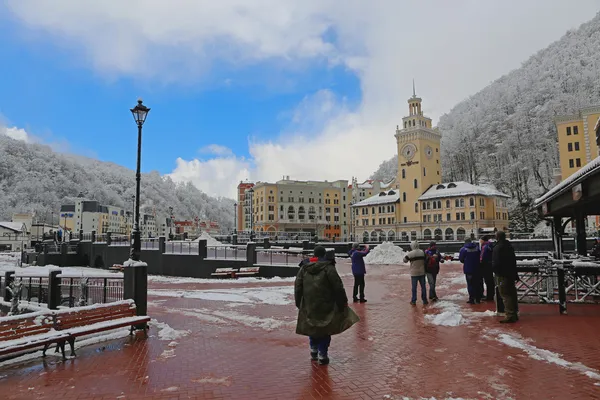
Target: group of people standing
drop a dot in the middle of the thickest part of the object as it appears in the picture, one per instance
(495, 265)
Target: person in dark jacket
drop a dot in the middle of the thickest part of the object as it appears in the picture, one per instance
(486, 268)
(322, 305)
(595, 252)
(432, 269)
(469, 256)
(359, 271)
(504, 264)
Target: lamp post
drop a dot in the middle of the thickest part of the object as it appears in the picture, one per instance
(235, 218)
(170, 223)
(140, 112)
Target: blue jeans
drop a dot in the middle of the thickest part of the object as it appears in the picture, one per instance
(320, 344)
(432, 278)
(421, 280)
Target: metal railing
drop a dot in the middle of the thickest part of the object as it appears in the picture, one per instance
(52, 248)
(280, 256)
(34, 289)
(72, 248)
(226, 252)
(99, 290)
(119, 240)
(87, 236)
(150, 244)
(182, 247)
(100, 238)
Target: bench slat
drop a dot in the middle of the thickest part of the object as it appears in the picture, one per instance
(101, 327)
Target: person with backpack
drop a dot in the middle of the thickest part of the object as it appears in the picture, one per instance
(359, 271)
(322, 305)
(504, 263)
(469, 256)
(432, 269)
(416, 257)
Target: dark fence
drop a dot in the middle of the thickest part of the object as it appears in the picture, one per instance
(280, 256)
(226, 252)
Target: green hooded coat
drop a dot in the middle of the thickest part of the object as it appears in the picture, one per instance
(321, 301)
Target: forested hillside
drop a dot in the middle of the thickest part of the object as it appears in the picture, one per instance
(505, 133)
(34, 178)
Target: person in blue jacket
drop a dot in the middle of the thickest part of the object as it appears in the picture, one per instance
(470, 255)
(359, 271)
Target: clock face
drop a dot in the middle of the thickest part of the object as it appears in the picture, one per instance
(409, 151)
(428, 151)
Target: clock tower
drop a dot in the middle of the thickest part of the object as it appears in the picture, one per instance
(419, 164)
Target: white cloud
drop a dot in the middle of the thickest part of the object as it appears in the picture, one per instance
(452, 49)
(15, 133)
(217, 150)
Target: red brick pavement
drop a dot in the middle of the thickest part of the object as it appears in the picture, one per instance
(249, 351)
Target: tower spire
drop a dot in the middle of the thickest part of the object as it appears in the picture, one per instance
(414, 91)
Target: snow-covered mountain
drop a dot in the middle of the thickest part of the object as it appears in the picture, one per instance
(505, 133)
(35, 178)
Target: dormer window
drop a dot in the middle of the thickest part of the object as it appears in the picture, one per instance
(451, 185)
(439, 187)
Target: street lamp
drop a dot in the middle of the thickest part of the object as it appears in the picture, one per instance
(235, 218)
(140, 112)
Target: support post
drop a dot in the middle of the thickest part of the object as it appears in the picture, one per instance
(93, 236)
(557, 237)
(580, 238)
(162, 246)
(135, 287)
(562, 294)
(234, 239)
(54, 290)
(251, 254)
(202, 249)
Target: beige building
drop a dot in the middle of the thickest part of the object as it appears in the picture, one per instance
(416, 205)
(316, 207)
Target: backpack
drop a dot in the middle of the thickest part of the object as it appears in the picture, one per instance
(431, 263)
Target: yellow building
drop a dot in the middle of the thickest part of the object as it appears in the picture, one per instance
(576, 139)
(416, 205)
(290, 206)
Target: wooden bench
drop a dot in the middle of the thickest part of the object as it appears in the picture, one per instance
(248, 271)
(82, 321)
(29, 331)
(116, 268)
(225, 272)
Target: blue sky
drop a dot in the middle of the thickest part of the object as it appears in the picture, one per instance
(62, 101)
(310, 89)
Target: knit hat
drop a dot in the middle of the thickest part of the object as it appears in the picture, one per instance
(355, 245)
(320, 251)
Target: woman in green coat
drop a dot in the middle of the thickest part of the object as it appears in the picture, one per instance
(322, 304)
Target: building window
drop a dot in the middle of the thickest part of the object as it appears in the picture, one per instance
(405, 220)
(571, 163)
(424, 172)
(568, 131)
(472, 215)
(570, 147)
(403, 174)
(458, 216)
(578, 162)
(416, 207)
(575, 130)
(576, 146)
(447, 203)
(415, 184)
(472, 202)
(404, 196)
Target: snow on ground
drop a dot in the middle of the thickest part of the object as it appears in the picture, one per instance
(210, 241)
(165, 332)
(274, 295)
(386, 253)
(452, 314)
(516, 341)
(227, 317)
(176, 280)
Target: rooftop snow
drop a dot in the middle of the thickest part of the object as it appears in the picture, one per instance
(379, 199)
(588, 169)
(460, 189)
(13, 226)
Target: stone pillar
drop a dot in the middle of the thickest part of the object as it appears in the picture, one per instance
(557, 237)
(54, 290)
(266, 243)
(234, 240)
(202, 250)
(80, 234)
(135, 287)
(93, 236)
(64, 250)
(305, 245)
(251, 253)
(162, 244)
(108, 238)
(8, 279)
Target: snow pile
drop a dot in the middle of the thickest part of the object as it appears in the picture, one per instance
(176, 280)
(229, 317)
(386, 253)
(165, 332)
(450, 315)
(210, 241)
(133, 263)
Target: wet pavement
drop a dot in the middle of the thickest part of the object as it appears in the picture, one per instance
(235, 340)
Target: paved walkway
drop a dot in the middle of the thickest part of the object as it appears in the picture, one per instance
(236, 341)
